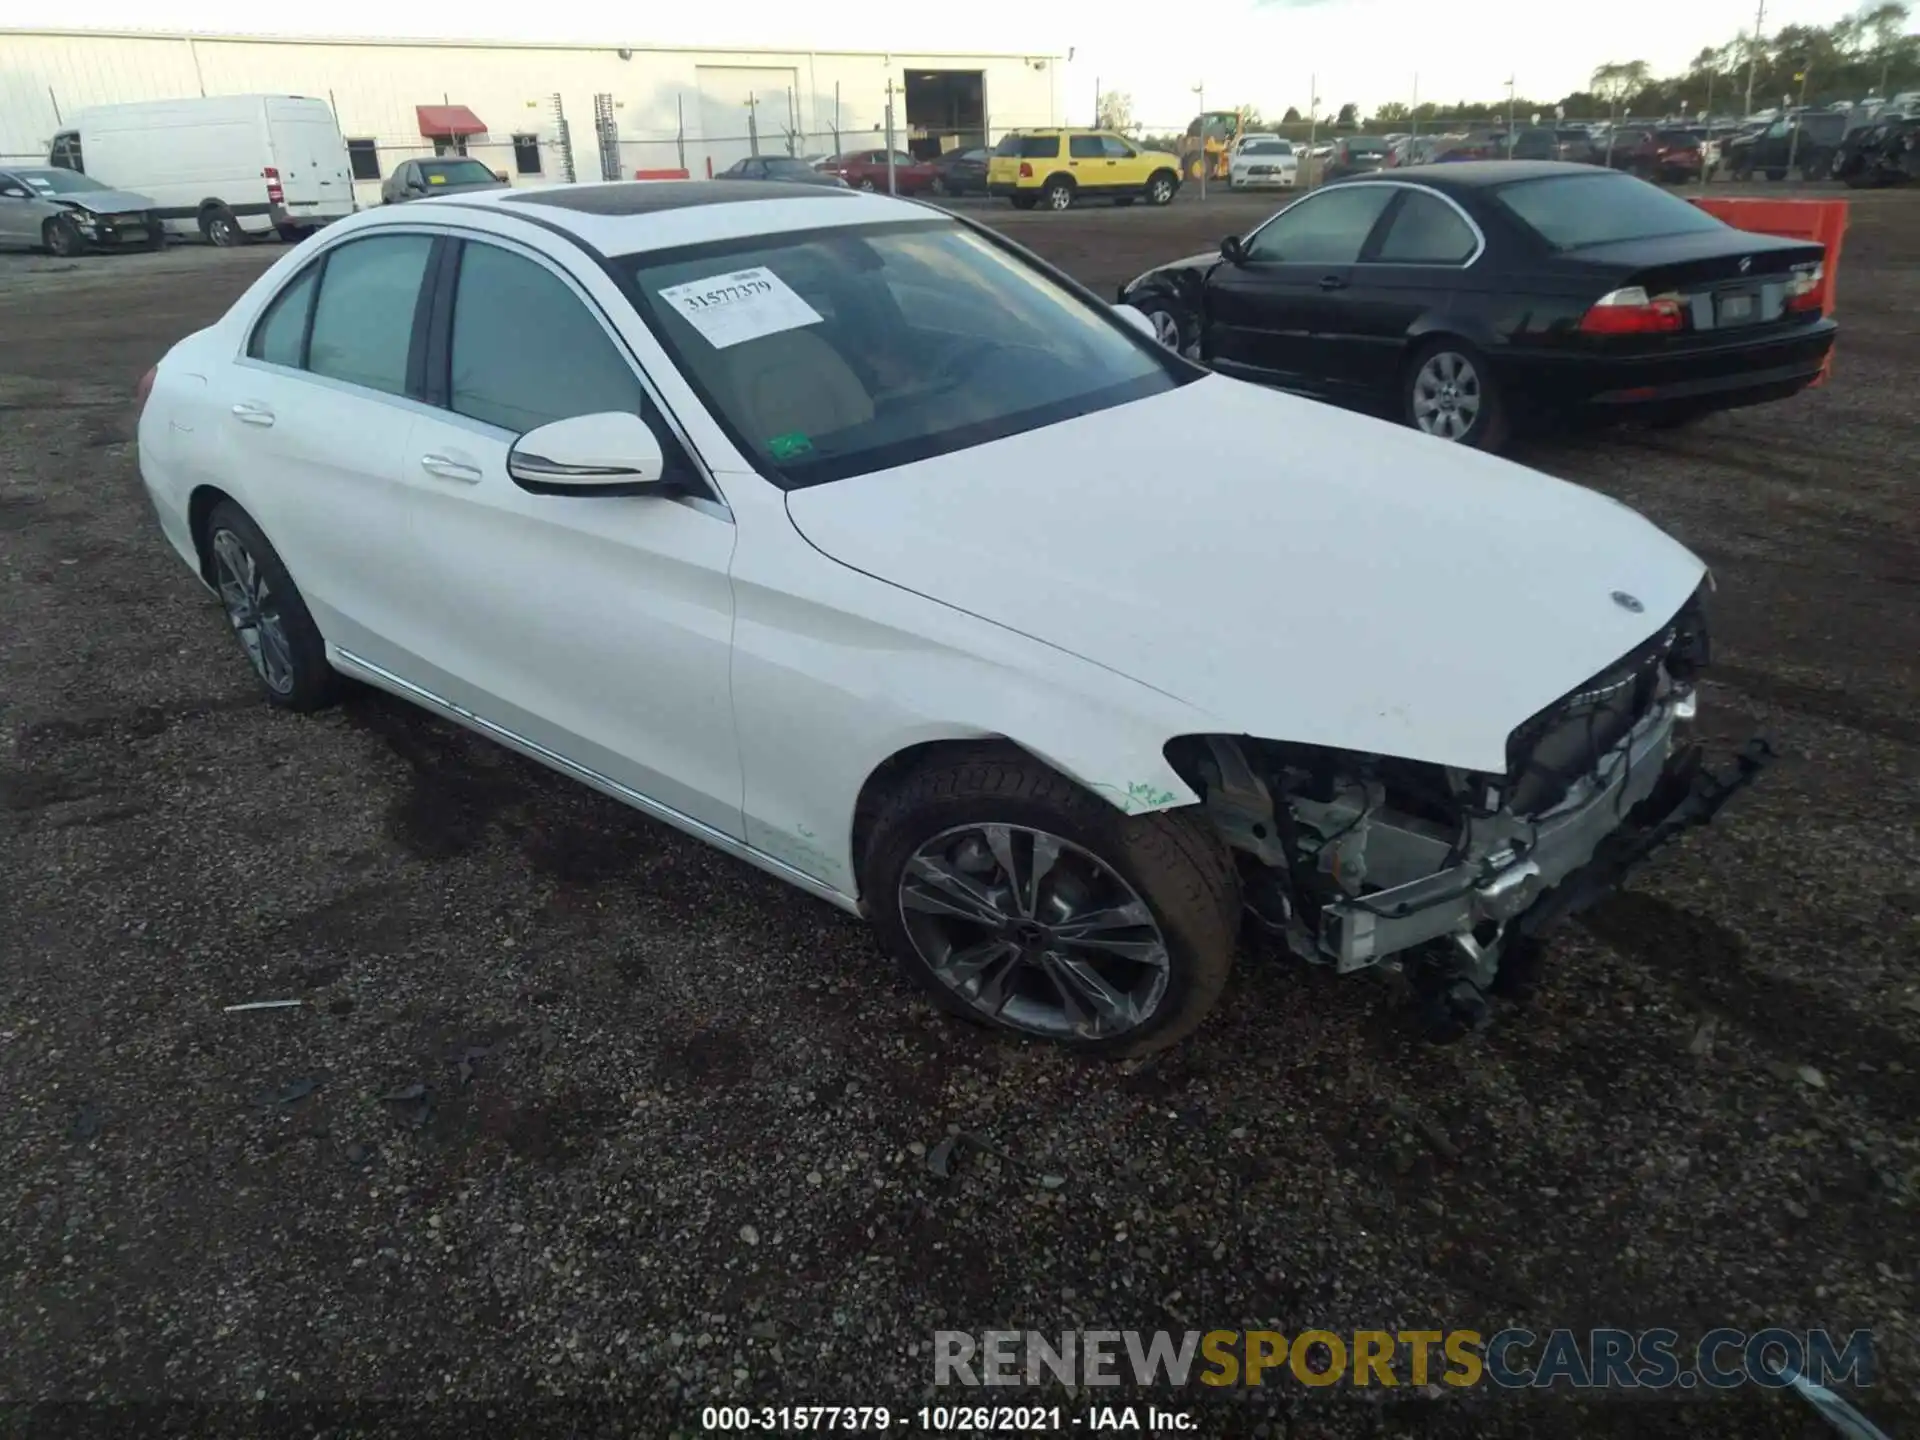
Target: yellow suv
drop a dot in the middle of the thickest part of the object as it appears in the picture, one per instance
(1059, 168)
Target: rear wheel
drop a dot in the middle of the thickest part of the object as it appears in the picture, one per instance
(62, 237)
(1059, 193)
(1019, 900)
(218, 225)
(1450, 394)
(1160, 188)
(268, 617)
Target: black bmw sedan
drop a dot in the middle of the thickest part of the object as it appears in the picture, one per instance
(1482, 296)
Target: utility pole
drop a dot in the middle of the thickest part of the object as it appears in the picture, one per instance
(1096, 101)
(1510, 80)
(1313, 124)
(890, 178)
(1753, 54)
(1413, 115)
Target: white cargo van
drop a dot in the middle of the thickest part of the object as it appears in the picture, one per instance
(224, 166)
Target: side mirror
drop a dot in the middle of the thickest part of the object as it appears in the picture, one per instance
(1233, 250)
(1138, 320)
(615, 453)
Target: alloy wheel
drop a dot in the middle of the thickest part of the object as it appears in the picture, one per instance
(1059, 198)
(1034, 932)
(1166, 329)
(253, 611)
(1447, 397)
(1162, 191)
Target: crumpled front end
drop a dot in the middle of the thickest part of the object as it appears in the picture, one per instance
(1359, 860)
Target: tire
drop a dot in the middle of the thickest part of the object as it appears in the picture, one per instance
(1816, 166)
(1777, 172)
(1174, 325)
(1168, 867)
(1486, 417)
(1161, 187)
(1058, 194)
(939, 187)
(1024, 202)
(157, 235)
(62, 237)
(289, 659)
(868, 186)
(219, 227)
(291, 234)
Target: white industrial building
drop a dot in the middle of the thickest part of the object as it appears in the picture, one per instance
(538, 113)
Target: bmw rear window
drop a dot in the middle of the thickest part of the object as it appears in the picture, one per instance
(1570, 212)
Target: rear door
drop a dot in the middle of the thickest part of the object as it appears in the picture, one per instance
(1280, 316)
(315, 415)
(311, 158)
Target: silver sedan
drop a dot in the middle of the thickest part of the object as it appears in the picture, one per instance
(67, 213)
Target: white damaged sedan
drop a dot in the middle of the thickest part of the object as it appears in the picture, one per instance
(852, 539)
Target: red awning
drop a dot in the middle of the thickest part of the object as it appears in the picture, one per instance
(449, 120)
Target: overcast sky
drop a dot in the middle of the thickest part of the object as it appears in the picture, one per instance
(1365, 51)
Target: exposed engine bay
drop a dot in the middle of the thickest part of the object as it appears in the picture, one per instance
(1360, 860)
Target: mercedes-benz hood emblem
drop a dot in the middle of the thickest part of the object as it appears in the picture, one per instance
(1630, 603)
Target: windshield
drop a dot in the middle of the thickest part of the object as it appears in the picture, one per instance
(1267, 147)
(787, 165)
(456, 172)
(832, 353)
(53, 181)
(1570, 212)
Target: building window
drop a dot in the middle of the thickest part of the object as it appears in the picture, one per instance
(449, 144)
(364, 157)
(526, 154)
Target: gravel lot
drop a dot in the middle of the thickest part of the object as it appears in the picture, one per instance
(670, 1139)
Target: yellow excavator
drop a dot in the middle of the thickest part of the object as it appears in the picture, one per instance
(1210, 135)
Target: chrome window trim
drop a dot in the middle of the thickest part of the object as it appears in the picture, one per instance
(1479, 235)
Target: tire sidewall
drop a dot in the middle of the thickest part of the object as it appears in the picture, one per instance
(1161, 189)
(315, 682)
(1089, 823)
(1058, 188)
(219, 222)
(63, 238)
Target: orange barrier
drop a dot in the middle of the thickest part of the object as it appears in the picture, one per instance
(1822, 221)
(660, 175)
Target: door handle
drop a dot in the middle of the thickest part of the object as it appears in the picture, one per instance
(448, 468)
(1333, 282)
(251, 412)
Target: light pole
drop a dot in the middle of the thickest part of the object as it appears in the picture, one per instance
(1510, 117)
(1753, 54)
(1313, 124)
(1201, 159)
(890, 175)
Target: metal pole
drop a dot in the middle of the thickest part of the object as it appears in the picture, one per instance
(56, 106)
(1206, 160)
(680, 128)
(1313, 124)
(836, 117)
(1612, 100)
(1413, 115)
(1707, 143)
(1510, 80)
(1096, 100)
(1793, 134)
(1753, 54)
(890, 177)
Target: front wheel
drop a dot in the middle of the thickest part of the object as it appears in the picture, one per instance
(1021, 901)
(62, 237)
(1160, 188)
(268, 616)
(1450, 394)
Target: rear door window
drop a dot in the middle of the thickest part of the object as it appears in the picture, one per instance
(363, 319)
(281, 336)
(1085, 147)
(1039, 147)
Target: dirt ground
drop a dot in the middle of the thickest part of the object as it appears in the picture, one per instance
(577, 1113)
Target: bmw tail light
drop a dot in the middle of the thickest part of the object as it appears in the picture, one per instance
(1803, 287)
(275, 195)
(1631, 311)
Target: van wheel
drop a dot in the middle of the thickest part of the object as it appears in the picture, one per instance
(1059, 193)
(292, 234)
(62, 237)
(220, 228)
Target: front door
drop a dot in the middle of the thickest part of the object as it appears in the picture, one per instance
(1280, 315)
(599, 628)
(1414, 266)
(1087, 162)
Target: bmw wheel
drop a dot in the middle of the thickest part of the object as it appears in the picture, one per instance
(268, 617)
(1019, 900)
(1450, 395)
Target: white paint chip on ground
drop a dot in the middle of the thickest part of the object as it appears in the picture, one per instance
(744, 305)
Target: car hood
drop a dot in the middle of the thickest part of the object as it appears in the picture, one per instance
(1296, 572)
(104, 202)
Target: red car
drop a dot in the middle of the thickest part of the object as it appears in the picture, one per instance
(867, 170)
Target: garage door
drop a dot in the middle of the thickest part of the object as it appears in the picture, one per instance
(728, 94)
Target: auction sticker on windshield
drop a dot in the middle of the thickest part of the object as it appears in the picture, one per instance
(732, 309)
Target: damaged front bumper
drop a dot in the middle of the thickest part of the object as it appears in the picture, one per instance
(1649, 790)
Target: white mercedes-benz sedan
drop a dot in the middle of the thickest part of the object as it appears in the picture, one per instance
(849, 537)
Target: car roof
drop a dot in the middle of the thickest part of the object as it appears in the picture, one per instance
(1481, 174)
(628, 217)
